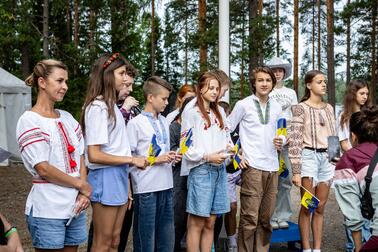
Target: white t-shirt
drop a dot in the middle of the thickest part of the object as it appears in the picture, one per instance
(343, 130)
(100, 130)
(157, 177)
(256, 138)
(286, 97)
(171, 116)
(43, 139)
(206, 140)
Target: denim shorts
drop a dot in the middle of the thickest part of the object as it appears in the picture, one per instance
(233, 179)
(316, 166)
(110, 185)
(54, 234)
(207, 190)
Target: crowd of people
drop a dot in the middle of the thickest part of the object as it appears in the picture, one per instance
(172, 181)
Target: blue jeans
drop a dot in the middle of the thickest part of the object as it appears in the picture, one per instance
(282, 211)
(153, 228)
(365, 232)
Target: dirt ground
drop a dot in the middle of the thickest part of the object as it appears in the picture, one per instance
(15, 183)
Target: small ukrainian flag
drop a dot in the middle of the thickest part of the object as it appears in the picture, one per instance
(237, 159)
(153, 151)
(309, 201)
(283, 172)
(186, 141)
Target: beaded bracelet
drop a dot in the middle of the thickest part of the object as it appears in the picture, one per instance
(10, 231)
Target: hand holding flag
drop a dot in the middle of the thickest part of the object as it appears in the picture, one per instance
(309, 200)
(283, 172)
(237, 159)
(185, 141)
(153, 151)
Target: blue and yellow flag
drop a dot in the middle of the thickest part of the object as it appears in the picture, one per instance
(153, 151)
(185, 141)
(237, 159)
(309, 201)
(283, 172)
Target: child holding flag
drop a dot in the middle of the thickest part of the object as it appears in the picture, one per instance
(148, 134)
(286, 97)
(257, 116)
(108, 150)
(204, 162)
(312, 123)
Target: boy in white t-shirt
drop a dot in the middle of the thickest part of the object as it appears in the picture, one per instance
(153, 226)
(286, 97)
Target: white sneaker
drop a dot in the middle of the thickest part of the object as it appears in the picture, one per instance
(283, 224)
(274, 224)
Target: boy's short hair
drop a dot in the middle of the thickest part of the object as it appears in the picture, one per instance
(130, 69)
(153, 84)
(261, 69)
(222, 77)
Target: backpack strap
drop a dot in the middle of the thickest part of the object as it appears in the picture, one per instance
(370, 171)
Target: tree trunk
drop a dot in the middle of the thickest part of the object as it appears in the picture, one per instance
(186, 43)
(330, 54)
(202, 33)
(68, 20)
(313, 35)
(242, 65)
(348, 38)
(278, 27)
(260, 40)
(76, 23)
(46, 28)
(296, 33)
(253, 47)
(152, 37)
(319, 35)
(92, 27)
(373, 50)
(25, 60)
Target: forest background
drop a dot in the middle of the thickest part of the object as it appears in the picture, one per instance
(178, 39)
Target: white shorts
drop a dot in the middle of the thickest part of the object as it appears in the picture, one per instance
(233, 179)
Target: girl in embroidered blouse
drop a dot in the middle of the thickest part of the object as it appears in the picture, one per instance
(52, 148)
(356, 97)
(313, 122)
(207, 188)
(108, 150)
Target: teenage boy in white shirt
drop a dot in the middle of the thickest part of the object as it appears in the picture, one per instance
(257, 116)
(286, 97)
(153, 197)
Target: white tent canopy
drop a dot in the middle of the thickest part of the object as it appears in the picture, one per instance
(15, 98)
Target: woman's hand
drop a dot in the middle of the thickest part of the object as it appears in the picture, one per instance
(82, 203)
(85, 188)
(297, 180)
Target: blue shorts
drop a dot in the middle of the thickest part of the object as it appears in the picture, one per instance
(315, 165)
(110, 185)
(54, 234)
(207, 190)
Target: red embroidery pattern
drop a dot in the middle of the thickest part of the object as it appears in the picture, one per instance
(31, 136)
(69, 150)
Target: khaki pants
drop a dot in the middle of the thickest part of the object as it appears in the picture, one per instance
(257, 198)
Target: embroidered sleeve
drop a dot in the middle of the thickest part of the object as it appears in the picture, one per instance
(33, 143)
(195, 153)
(296, 138)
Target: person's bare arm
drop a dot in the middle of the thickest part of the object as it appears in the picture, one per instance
(14, 241)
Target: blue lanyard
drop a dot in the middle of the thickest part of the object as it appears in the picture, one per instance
(160, 139)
